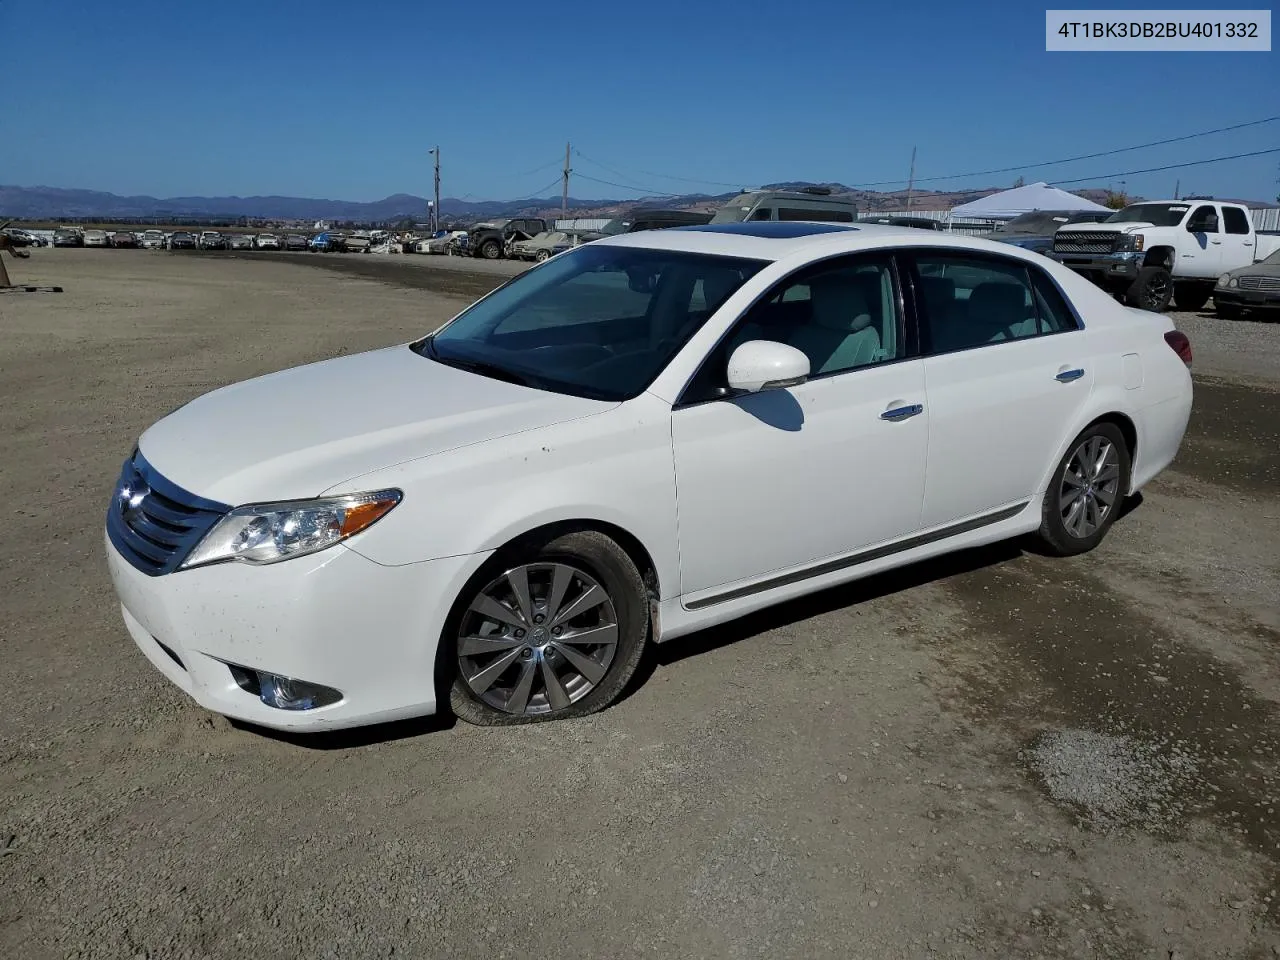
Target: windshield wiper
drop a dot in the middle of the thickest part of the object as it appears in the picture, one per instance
(482, 367)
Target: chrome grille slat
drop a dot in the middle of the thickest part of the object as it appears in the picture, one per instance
(1084, 241)
(1268, 284)
(154, 523)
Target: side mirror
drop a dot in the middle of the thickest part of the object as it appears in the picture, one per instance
(766, 365)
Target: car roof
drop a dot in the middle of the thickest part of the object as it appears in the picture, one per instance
(778, 240)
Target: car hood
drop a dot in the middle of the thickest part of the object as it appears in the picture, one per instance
(1125, 226)
(296, 433)
(1256, 270)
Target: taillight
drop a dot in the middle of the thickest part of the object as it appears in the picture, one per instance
(1180, 344)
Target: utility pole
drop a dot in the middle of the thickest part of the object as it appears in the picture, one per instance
(437, 224)
(1176, 185)
(564, 188)
(435, 210)
(911, 178)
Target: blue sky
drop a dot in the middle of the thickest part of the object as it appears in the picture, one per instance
(343, 99)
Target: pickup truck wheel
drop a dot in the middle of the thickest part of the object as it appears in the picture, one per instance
(491, 250)
(1150, 290)
(1191, 296)
(1227, 311)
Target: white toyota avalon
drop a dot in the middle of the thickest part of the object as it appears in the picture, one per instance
(637, 439)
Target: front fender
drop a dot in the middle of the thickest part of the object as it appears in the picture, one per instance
(614, 467)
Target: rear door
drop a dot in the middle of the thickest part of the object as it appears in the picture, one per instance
(1006, 373)
(1238, 239)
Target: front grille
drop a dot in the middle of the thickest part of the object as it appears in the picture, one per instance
(1267, 284)
(1084, 241)
(155, 523)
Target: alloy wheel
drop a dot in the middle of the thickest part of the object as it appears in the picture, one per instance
(1090, 486)
(1156, 293)
(537, 639)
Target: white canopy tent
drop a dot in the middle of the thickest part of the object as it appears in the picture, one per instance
(1034, 196)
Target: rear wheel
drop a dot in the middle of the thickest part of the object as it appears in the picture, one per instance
(553, 630)
(1150, 290)
(1085, 491)
(1191, 296)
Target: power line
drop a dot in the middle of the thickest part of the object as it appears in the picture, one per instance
(1085, 156)
(1171, 166)
(625, 186)
(616, 173)
(660, 176)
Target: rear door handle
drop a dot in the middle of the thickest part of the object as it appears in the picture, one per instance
(903, 413)
(1066, 376)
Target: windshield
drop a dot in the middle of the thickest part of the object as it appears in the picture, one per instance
(736, 210)
(1157, 214)
(1035, 223)
(597, 322)
(615, 227)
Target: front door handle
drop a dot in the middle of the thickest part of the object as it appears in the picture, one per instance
(1066, 376)
(903, 413)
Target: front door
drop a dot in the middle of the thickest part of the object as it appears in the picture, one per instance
(769, 482)
(1202, 259)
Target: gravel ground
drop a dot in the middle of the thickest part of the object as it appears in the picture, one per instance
(991, 755)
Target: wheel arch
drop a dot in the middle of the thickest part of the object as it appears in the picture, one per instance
(1159, 257)
(1103, 413)
(631, 545)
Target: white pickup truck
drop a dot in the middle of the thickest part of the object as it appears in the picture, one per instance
(1152, 251)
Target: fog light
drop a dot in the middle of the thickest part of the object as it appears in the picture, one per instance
(283, 693)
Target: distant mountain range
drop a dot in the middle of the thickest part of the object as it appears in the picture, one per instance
(52, 203)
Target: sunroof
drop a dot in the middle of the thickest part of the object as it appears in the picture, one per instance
(772, 230)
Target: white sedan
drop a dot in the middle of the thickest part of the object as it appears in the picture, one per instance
(638, 439)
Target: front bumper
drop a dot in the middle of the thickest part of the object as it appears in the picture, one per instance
(333, 618)
(1251, 299)
(1124, 265)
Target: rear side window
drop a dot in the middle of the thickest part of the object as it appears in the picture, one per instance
(1235, 220)
(817, 213)
(968, 302)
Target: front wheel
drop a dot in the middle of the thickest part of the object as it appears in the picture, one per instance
(491, 250)
(1151, 290)
(553, 630)
(1085, 491)
(1227, 311)
(542, 255)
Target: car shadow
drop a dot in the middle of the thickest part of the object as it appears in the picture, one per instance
(705, 641)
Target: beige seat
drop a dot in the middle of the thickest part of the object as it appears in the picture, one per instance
(840, 334)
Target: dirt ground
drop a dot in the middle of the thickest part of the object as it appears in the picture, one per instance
(993, 755)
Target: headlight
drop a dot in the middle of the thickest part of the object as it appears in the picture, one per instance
(1222, 280)
(270, 532)
(1133, 241)
(1233, 282)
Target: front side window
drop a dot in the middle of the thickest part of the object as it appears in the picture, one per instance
(965, 301)
(1204, 220)
(1235, 220)
(597, 321)
(842, 314)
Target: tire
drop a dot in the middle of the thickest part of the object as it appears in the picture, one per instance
(542, 255)
(485, 685)
(1191, 296)
(1063, 531)
(1227, 311)
(1150, 290)
(491, 250)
